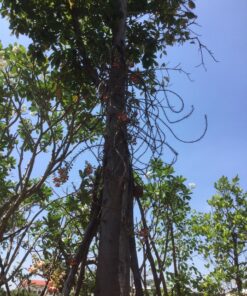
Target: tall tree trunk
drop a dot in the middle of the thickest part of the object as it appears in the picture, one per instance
(236, 263)
(90, 232)
(174, 258)
(81, 254)
(113, 272)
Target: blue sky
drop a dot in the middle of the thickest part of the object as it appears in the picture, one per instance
(219, 92)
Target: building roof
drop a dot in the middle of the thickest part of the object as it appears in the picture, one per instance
(39, 284)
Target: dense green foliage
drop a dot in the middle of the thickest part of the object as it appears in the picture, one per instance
(79, 28)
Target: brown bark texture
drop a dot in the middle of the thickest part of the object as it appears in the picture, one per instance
(113, 271)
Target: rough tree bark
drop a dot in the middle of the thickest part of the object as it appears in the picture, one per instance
(113, 272)
(236, 263)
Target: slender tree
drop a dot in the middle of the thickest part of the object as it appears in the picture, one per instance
(165, 231)
(224, 233)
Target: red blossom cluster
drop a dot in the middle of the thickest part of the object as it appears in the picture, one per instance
(55, 277)
(36, 266)
(135, 77)
(62, 177)
(143, 233)
(72, 262)
(88, 169)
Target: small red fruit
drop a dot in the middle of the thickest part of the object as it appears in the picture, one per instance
(123, 117)
(72, 262)
(144, 232)
(105, 98)
(135, 77)
(137, 191)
